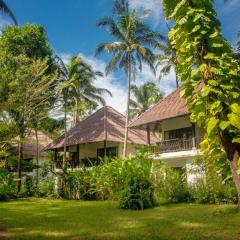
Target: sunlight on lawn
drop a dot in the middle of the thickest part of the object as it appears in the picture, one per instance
(58, 219)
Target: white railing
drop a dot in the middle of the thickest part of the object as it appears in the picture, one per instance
(175, 145)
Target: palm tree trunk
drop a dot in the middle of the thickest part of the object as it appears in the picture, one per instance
(37, 154)
(20, 157)
(76, 113)
(127, 108)
(177, 82)
(65, 136)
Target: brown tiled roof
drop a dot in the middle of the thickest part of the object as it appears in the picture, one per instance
(30, 145)
(171, 106)
(105, 124)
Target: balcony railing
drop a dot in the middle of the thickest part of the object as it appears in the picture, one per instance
(175, 145)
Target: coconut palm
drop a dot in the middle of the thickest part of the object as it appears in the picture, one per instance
(167, 59)
(82, 88)
(145, 96)
(76, 85)
(132, 46)
(4, 8)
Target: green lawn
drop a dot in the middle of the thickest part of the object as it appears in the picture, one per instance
(58, 219)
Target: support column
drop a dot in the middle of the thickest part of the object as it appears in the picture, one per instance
(78, 156)
(194, 136)
(148, 136)
(105, 148)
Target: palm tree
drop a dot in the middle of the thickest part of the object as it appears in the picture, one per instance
(168, 59)
(4, 8)
(76, 85)
(82, 88)
(132, 46)
(146, 95)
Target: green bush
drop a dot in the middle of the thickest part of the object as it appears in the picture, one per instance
(137, 194)
(216, 186)
(173, 186)
(45, 188)
(126, 180)
(7, 185)
(213, 193)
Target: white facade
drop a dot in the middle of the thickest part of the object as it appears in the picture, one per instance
(89, 150)
(182, 151)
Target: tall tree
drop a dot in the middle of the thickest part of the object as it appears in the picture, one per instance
(28, 91)
(210, 75)
(134, 40)
(4, 8)
(26, 66)
(76, 86)
(145, 96)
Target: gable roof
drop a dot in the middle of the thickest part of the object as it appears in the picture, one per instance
(106, 124)
(170, 107)
(30, 144)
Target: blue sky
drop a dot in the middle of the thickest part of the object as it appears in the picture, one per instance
(71, 29)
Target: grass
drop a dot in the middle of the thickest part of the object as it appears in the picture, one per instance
(59, 219)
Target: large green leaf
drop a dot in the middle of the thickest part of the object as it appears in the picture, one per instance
(212, 124)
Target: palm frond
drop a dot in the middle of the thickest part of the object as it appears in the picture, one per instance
(4, 8)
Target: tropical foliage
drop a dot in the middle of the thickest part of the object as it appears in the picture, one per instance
(27, 79)
(167, 60)
(145, 96)
(210, 76)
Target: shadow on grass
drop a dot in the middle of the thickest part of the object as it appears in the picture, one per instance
(46, 219)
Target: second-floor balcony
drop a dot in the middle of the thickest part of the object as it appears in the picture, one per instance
(175, 145)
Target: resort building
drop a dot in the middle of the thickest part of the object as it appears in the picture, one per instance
(30, 151)
(101, 134)
(179, 139)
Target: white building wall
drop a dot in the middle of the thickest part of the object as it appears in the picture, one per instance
(89, 150)
(176, 123)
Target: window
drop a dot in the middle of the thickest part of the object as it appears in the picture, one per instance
(181, 133)
(110, 152)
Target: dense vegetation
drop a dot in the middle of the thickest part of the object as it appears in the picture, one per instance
(34, 83)
(209, 72)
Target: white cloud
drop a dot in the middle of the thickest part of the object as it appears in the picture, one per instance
(167, 83)
(155, 6)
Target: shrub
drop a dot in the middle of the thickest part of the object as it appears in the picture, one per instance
(216, 186)
(137, 194)
(126, 180)
(172, 186)
(217, 192)
(137, 191)
(45, 188)
(7, 185)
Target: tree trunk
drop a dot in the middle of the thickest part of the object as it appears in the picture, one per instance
(37, 154)
(76, 113)
(233, 153)
(127, 108)
(65, 136)
(236, 176)
(20, 157)
(177, 82)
